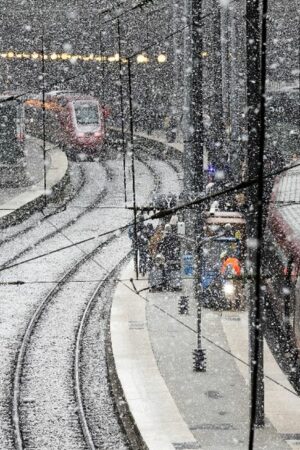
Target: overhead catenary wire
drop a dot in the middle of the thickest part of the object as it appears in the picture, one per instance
(124, 281)
(159, 215)
(242, 188)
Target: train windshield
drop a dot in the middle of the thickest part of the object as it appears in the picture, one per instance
(86, 113)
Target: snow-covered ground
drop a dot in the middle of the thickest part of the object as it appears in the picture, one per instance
(48, 409)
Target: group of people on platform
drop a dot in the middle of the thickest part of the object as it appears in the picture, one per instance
(159, 253)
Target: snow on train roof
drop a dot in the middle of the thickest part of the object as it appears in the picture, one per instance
(288, 199)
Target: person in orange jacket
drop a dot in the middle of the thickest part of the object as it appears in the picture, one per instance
(230, 263)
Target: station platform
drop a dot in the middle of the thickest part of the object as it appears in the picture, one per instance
(174, 407)
(15, 200)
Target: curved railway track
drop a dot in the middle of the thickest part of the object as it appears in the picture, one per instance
(25, 227)
(69, 222)
(36, 317)
(24, 355)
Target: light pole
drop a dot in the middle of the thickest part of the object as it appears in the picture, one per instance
(135, 240)
(122, 112)
(193, 152)
(256, 34)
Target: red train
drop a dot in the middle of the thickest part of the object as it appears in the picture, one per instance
(282, 273)
(74, 121)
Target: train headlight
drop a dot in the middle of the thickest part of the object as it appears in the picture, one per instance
(97, 134)
(229, 289)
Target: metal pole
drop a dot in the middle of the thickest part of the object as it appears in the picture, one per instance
(176, 70)
(44, 121)
(132, 169)
(217, 151)
(193, 152)
(256, 33)
(102, 67)
(122, 113)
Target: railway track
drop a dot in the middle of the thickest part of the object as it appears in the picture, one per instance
(85, 266)
(78, 180)
(41, 315)
(66, 223)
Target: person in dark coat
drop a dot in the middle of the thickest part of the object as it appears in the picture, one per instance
(169, 248)
(144, 234)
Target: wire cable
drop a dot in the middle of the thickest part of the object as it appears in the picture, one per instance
(159, 215)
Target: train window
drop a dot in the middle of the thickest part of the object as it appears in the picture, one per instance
(86, 113)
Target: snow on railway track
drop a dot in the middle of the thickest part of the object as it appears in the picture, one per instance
(64, 220)
(46, 361)
(49, 270)
(77, 181)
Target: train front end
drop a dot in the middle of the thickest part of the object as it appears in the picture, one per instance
(88, 128)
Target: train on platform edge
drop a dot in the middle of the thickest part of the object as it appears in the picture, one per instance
(282, 273)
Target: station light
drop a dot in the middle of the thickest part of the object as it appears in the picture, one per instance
(65, 56)
(161, 58)
(142, 59)
(204, 54)
(111, 58)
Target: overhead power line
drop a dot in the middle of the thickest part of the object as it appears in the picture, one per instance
(159, 215)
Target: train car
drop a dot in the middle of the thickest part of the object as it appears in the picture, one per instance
(282, 273)
(74, 121)
(283, 123)
(12, 142)
(224, 237)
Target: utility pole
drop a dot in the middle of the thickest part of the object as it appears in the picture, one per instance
(256, 14)
(174, 113)
(135, 235)
(122, 111)
(193, 152)
(44, 119)
(217, 152)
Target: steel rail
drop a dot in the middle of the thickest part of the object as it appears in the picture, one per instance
(79, 339)
(28, 333)
(99, 199)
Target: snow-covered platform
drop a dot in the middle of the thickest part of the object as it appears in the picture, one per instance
(16, 201)
(174, 407)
